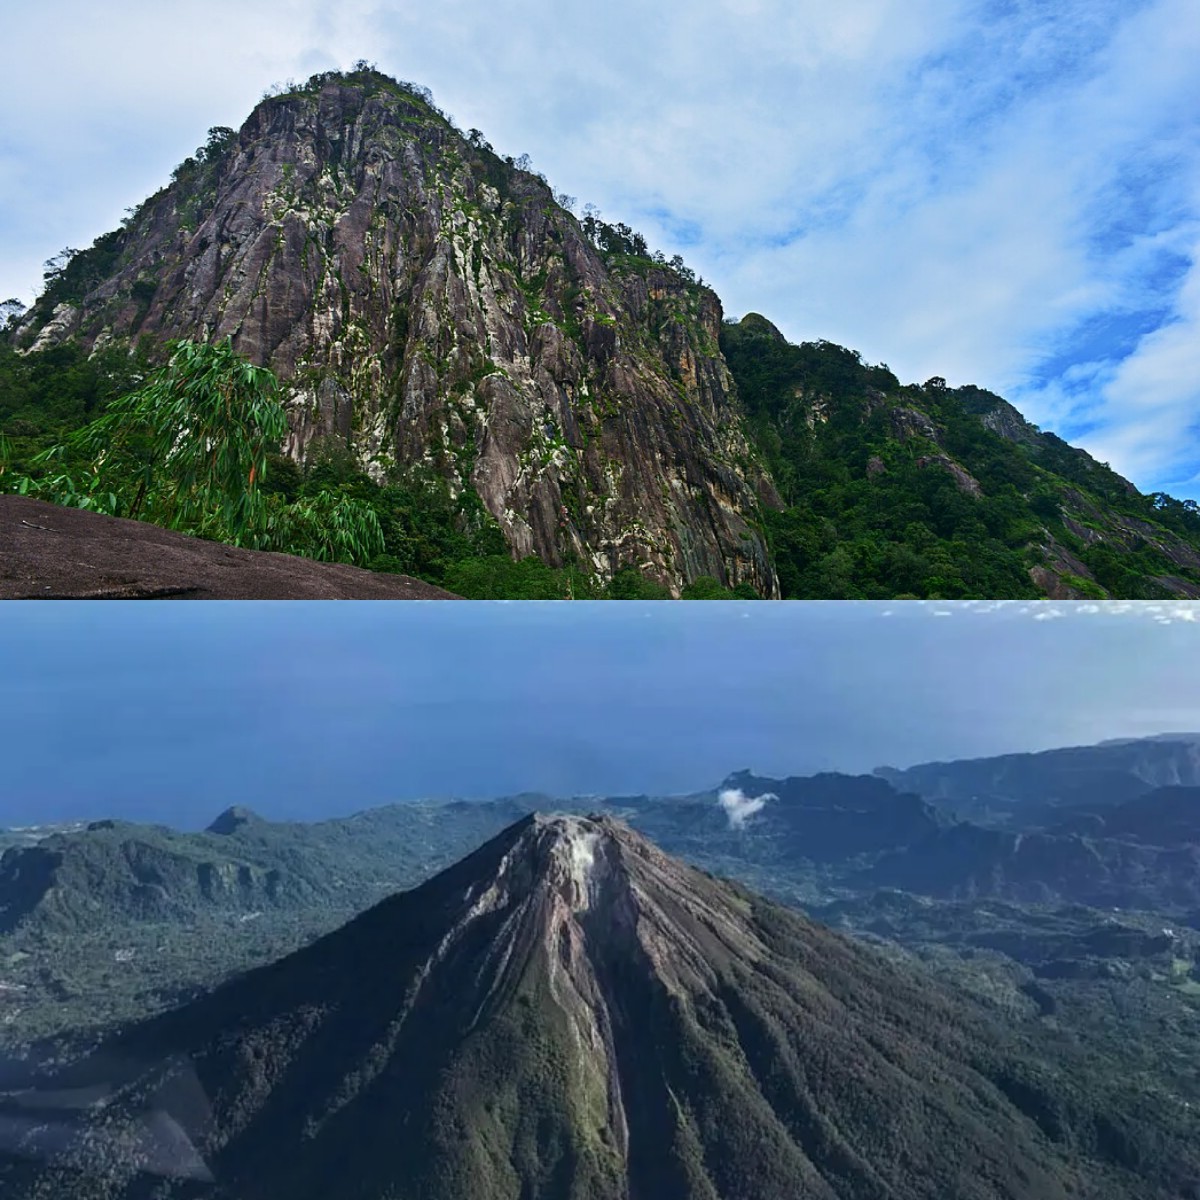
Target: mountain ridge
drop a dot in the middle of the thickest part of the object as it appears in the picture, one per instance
(101, 923)
(434, 310)
(1035, 786)
(569, 1014)
(931, 491)
(433, 307)
(1133, 843)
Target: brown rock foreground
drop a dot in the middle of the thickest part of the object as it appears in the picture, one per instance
(53, 553)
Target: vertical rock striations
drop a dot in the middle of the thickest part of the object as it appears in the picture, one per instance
(430, 304)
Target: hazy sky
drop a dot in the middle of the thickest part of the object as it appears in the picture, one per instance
(171, 712)
(1002, 192)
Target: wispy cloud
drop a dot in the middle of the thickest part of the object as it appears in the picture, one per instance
(1185, 611)
(739, 807)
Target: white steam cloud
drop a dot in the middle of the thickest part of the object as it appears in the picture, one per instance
(739, 807)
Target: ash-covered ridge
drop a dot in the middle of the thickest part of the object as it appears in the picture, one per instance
(592, 888)
(570, 1014)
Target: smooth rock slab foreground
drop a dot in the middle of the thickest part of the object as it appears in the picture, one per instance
(52, 553)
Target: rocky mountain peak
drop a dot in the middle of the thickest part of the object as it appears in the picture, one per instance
(586, 889)
(568, 1012)
(431, 306)
(234, 818)
(576, 859)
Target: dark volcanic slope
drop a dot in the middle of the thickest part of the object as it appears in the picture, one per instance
(53, 553)
(568, 1013)
(432, 305)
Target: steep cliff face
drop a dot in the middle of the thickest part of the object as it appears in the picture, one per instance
(429, 303)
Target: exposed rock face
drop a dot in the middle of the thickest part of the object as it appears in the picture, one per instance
(430, 304)
(1052, 575)
(911, 422)
(963, 479)
(1005, 420)
(48, 552)
(60, 326)
(566, 1014)
(1185, 589)
(1053, 586)
(1125, 532)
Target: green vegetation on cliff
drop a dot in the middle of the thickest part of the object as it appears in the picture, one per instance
(889, 491)
(85, 431)
(535, 384)
(936, 492)
(188, 450)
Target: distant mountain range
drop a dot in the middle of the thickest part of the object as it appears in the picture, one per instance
(569, 1014)
(100, 923)
(533, 383)
(1084, 825)
(116, 870)
(1031, 791)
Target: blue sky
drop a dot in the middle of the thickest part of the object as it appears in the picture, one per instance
(1001, 192)
(171, 712)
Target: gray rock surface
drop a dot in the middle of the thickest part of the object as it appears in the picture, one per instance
(52, 553)
(428, 303)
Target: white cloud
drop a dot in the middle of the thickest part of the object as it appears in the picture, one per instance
(109, 107)
(1048, 614)
(976, 257)
(1148, 405)
(1185, 611)
(739, 807)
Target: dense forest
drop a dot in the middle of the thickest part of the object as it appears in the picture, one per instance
(895, 491)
